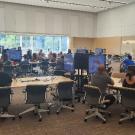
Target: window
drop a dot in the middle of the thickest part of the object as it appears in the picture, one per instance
(35, 42)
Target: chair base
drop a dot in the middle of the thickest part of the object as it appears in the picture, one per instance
(36, 110)
(62, 106)
(127, 116)
(6, 115)
(96, 112)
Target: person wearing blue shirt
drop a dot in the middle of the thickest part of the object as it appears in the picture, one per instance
(128, 62)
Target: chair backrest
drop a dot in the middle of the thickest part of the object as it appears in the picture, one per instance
(5, 96)
(59, 72)
(8, 69)
(127, 97)
(93, 94)
(35, 94)
(65, 90)
(25, 68)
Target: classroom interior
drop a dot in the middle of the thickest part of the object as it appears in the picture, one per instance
(104, 28)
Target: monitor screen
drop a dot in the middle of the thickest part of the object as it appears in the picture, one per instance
(95, 61)
(99, 51)
(14, 54)
(69, 63)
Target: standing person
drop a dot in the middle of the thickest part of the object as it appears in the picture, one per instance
(29, 54)
(101, 79)
(5, 80)
(69, 51)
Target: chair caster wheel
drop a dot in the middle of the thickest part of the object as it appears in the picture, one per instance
(72, 110)
(73, 106)
(85, 120)
(20, 117)
(57, 113)
(83, 102)
(120, 122)
(87, 112)
(13, 118)
(104, 122)
(40, 120)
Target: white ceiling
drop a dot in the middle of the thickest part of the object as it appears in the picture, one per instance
(81, 5)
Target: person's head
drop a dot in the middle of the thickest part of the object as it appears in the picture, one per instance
(101, 68)
(69, 51)
(34, 56)
(129, 57)
(1, 67)
(25, 57)
(19, 48)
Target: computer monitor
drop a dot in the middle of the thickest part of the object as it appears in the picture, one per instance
(69, 63)
(98, 51)
(14, 55)
(95, 61)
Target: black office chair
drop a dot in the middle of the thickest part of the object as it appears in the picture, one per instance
(65, 96)
(5, 98)
(8, 69)
(35, 94)
(94, 99)
(128, 101)
(25, 69)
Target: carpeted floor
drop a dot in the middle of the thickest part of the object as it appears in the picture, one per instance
(66, 123)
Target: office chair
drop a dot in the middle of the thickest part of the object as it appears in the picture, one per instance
(128, 101)
(94, 99)
(5, 97)
(8, 69)
(26, 69)
(35, 94)
(65, 96)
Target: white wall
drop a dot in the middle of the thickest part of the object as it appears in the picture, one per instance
(30, 19)
(116, 22)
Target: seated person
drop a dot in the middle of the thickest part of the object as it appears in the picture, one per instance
(127, 62)
(101, 79)
(34, 57)
(53, 58)
(41, 55)
(25, 61)
(60, 63)
(129, 80)
(5, 80)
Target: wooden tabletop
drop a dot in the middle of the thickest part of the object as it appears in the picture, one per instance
(48, 80)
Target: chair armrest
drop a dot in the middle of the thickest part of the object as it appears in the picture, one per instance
(105, 101)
